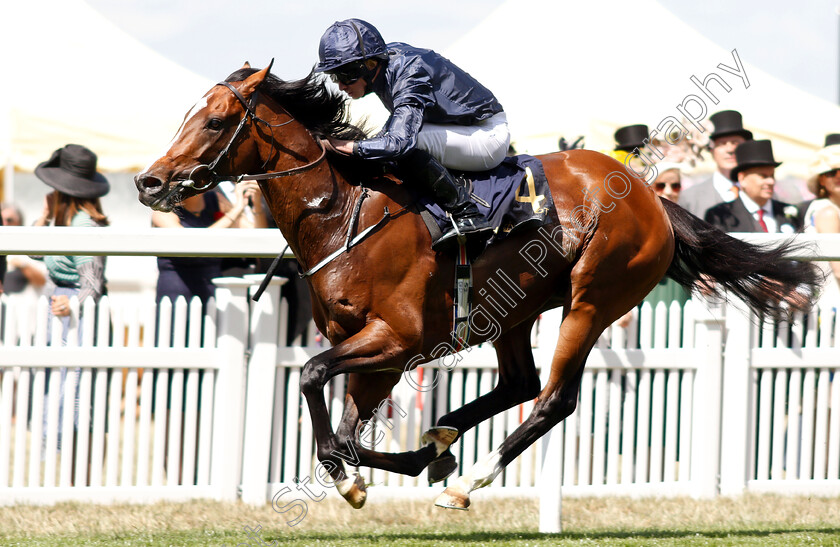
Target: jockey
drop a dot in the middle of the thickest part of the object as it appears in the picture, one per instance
(440, 116)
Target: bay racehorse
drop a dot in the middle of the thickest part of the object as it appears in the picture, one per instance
(385, 301)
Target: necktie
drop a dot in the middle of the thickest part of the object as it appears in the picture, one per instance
(761, 220)
(735, 190)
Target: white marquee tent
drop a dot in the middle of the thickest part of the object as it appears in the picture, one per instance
(70, 75)
(569, 68)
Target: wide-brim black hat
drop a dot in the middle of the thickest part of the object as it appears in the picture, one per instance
(72, 171)
(630, 137)
(753, 154)
(728, 122)
(831, 139)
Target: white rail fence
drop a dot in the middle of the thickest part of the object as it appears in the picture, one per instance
(183, 403)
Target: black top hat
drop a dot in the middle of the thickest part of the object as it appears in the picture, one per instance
(728, 122)
(630, 137)
(72, 170)
(831, 139)
(753, 154)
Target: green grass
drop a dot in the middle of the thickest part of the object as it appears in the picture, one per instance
(749, 520)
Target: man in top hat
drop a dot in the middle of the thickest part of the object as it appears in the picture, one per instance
(728, 133)
(628, 139)
(754, 210)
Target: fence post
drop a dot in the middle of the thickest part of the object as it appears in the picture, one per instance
(232, 321)
(705, 446)
(259, 403)
(737, 399)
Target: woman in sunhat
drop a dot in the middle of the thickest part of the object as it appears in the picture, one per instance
(74, 201)
(823, 214)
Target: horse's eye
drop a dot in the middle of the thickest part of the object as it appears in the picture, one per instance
(214, 124)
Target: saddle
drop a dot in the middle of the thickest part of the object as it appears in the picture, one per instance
(513, 196)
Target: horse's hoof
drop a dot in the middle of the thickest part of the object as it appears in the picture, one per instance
(442, 467)
(453, 499)
(353, 490)
(442, 436)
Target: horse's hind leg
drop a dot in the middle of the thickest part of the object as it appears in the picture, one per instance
(578, 333)
(518, 382)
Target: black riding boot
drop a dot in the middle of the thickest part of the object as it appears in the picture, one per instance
(421, 167)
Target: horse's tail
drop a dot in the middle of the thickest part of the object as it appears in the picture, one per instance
(760, 275)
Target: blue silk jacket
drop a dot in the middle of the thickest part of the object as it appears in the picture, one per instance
(416, 86)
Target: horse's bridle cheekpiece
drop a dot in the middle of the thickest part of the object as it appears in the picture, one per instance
(215, 178)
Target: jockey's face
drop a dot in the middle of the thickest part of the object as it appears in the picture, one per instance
(356, 90)
(352, 80)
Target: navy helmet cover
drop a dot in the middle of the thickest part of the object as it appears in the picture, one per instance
(349, 41)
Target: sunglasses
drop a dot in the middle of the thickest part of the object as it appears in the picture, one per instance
(348, 76)
(832, 173)
(675, 186)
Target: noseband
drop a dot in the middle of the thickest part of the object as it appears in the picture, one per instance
(215, 178)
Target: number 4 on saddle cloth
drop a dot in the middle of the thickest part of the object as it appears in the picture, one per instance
(513, 196)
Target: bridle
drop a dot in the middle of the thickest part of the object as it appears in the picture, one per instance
(215, 178)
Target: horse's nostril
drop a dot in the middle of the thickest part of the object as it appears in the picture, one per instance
(148, 183)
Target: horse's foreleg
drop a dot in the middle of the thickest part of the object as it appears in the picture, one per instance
(556, 401)
(518, 382)
(376, 348)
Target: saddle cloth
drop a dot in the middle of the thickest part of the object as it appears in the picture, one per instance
(513, 194)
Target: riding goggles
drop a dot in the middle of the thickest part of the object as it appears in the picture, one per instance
(348, 75)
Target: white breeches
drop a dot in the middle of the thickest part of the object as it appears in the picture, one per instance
(467, 147)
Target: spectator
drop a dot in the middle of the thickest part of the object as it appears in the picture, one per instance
(629, 148)
(71, 172)
(192, 276)
(823, 214)
(720, 187)
(255, 215)
(629, 138)
(2, 265)
(24, 275)
(754, 210)
(830, 140)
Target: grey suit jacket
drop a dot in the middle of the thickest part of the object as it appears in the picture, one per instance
(700, 197)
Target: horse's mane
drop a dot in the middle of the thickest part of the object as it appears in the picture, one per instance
(310, 101)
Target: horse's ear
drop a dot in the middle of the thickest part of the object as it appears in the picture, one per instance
(246, 65)
(255, 79)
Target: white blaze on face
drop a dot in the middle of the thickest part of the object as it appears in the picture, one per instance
(197, 107)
